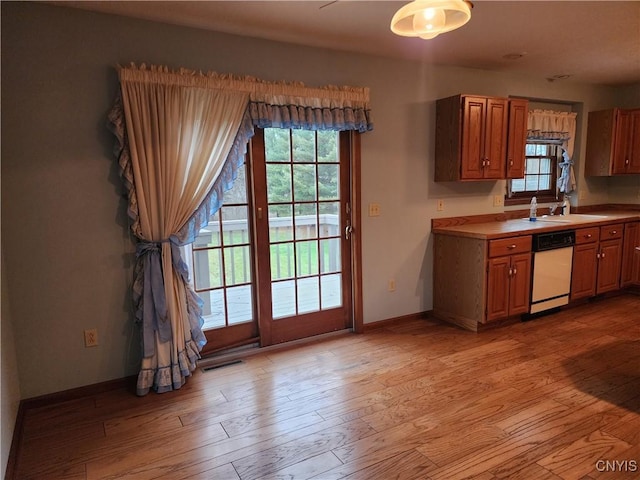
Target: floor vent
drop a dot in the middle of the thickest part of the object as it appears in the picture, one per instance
(221, 365)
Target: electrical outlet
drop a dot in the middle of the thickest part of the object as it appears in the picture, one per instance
(91, 337)
(498, 200)
(392, 285)
(440, 206)
(374, 209)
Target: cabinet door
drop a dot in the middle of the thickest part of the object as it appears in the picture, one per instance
(626, 149)
(622, 141)
(585, 268)
(631, 240)
(634, 143)
(609, 266)
(517, 138)
(473, 134)
(495, 142)
(498, 276)
(520, 285)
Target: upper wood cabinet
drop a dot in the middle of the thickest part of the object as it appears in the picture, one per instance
(613, 142)
(480, 138)
(517, 138)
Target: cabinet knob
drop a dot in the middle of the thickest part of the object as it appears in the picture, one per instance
(510, 163)
(512, 246)
(515, 271)
(613, 232)
(588, 235)
(638, 249)
(626, 162)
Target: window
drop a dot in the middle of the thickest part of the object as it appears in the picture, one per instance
(540, 173)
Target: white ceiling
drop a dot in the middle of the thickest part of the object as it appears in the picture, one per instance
(594, 42)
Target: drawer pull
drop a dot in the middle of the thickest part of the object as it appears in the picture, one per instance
(512, 246)
(613, 232)
(638, 249)
(587, 236)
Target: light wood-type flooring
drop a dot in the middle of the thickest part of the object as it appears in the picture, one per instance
(553, 398)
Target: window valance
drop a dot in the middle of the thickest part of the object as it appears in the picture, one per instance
(551, 125)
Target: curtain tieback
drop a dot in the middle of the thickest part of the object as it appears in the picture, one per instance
(154, 312)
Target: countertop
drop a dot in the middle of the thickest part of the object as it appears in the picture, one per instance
(519, 227)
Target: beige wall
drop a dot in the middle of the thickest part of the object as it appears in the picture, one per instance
(68, 252)
(10, 383)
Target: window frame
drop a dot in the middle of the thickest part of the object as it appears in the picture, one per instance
(542, 196)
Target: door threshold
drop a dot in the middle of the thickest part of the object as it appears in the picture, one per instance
(254, 349)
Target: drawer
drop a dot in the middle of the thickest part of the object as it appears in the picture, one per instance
(507, 246)
(611, 232)
(587, 235)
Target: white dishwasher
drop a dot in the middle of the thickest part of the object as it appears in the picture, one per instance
(552, 261)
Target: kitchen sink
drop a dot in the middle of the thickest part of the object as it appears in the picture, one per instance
(573, 218)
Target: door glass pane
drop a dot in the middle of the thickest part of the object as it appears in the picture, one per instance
(280, 223)
(308, 295)
(277, 147)
(331, 288)
(306, 221)
(209, 236)
(235, 225)
(306, 258)
(329, 219)
(214, 312)
(282, 261)
(237, 265)
(283, 299)
(278, 182)
(239, 304)
(328, 146)
(208, 268)
(330, 255)
(328, 181)
(304, 145)
(304, 183)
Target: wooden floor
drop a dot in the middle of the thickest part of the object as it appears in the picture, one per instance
(554, 398)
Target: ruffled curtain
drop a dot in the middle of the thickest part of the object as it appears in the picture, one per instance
(560, 127)
(181, 137)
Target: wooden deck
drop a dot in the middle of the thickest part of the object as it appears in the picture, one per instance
(554, 398)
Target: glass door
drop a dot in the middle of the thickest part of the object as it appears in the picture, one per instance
(222, 270)
(302, 228)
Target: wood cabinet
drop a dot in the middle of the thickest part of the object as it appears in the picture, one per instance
(597, 261)
(613, 142)
(517, 138)
(630, 274)
(610, 258)
(478, 281)
(585, 266)
(479, 138)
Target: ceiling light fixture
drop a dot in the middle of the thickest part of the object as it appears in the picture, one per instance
(429, 18)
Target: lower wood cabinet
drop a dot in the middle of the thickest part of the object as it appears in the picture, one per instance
(480, 281)
(597, 261)
(630, 274)
(508, 286)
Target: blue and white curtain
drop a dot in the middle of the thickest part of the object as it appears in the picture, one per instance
(181, 137)
(551, 125)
